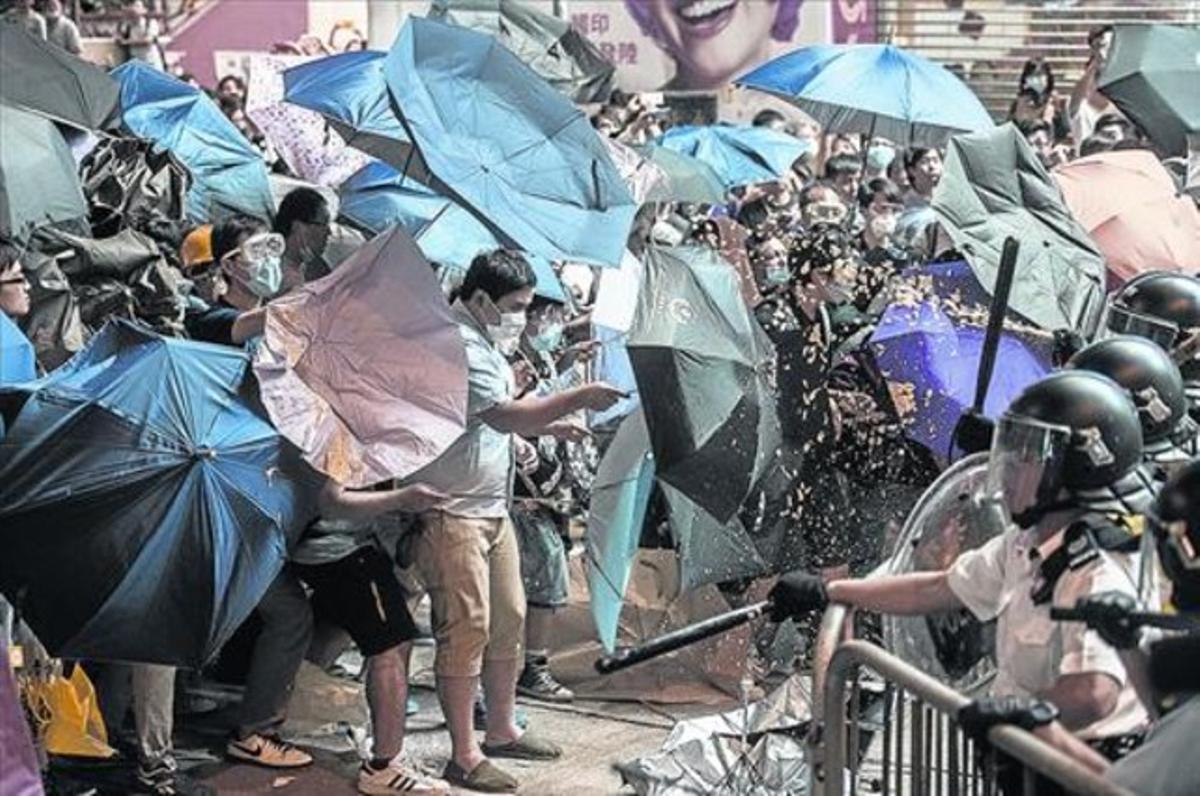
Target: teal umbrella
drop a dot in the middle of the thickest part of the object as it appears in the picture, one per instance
(550, 46)
(688, 179)
(38, 181)
(1153, 76)
(508, 145)
(620, 499)
(47, 80)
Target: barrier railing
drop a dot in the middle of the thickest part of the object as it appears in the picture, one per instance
(908, 720)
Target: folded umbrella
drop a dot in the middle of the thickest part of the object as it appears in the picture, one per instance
(228, 173)
(42, 78)
(739, 154)
(300, 136)
(620, 499)
(702, 365)
(508, 145)
(1151, 74)
(378, 196)
(364, 370)
(1129, 204)
(993, 187)
(928, 344)
(688, 179)
(39, 184)
(876, 89)
(144, 506)
(548, 45)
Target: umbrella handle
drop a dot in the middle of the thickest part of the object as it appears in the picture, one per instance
(683, 637)
(991, 342)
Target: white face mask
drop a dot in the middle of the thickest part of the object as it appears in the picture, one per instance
(883, 226)
(507, 333)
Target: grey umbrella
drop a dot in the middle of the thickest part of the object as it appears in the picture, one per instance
(993, 186)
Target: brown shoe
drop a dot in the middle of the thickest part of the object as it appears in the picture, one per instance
(527, 747)
(486, 777)
(268, 751)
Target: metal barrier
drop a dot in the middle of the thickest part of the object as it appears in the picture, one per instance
(923, 750)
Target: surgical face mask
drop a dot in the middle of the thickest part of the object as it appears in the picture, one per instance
(506, 334)
(264, 277)
(548, 339)
(883, 226)
(777, 275)
(879, 157)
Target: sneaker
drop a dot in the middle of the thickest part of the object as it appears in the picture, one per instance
(162, 778)
(267, 750)
(537, 682)
(399, 778)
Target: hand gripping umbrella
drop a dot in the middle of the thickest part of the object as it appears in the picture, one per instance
(144, 505)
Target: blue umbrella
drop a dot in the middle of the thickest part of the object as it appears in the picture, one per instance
(620, 499)
(739, 154)
(929, 349)
(876, 89)
(228, 173)
(377, 197)
(508, 145)
(144, 505)
(350, 91)
(17, 359)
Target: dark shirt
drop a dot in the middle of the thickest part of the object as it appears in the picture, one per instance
(213, 325)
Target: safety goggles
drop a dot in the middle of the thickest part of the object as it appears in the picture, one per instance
(829, 212)
(263, 246)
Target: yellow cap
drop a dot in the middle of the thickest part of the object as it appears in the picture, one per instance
(197, 248)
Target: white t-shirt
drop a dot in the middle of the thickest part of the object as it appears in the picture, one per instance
(1032, 651)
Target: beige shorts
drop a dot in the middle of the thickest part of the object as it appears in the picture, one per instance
(472, 570)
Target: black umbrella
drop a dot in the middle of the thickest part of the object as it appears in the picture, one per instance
(47, 80)
(1153, 76)
(702, 366)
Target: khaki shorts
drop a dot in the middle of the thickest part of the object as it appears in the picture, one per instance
(472, 570)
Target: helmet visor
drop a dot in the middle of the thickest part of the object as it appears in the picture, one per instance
(1025, 468)
(1156, 330)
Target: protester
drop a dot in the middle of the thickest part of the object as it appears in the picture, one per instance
(61, 30)
(467, 553)
(1087, 104)
(14, 285)
(844, 174)
(139, 35)
(21, 13)
(304, 220)
(821, 204)
(1037, 100)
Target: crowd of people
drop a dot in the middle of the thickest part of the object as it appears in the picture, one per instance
(486, 531)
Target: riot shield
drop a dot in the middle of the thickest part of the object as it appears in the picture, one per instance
(950, 518)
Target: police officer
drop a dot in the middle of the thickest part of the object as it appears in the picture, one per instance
(1165, 308)
(1155, 384)
(1065, 457)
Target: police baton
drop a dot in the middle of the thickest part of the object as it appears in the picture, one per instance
(1097, 614)
(683, 637)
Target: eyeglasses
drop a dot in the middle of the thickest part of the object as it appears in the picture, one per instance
(16, 280)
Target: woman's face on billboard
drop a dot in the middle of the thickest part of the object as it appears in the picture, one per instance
(713, 41)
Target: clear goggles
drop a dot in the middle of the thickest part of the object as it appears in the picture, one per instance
(1025, 467)
(830, 212)
(260, 247)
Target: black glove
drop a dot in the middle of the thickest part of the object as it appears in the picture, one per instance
(973, 433)
(983, 714)
(1108, 613)
(796, 594)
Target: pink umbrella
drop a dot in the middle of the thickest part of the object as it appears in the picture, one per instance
(365, 370)
(1130, 206)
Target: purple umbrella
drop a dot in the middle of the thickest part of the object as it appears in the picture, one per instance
(928, 343)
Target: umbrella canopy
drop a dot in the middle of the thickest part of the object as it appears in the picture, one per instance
(1151, 74)
(39, 183)
(612, 315)
(1128, 203)
(702, 367)
(364, 370)
(548, 45)
(710, 551)
(47, 80)
(17, 359)
(378, 197)
(228, 173)
(877, 89)
(642, 177)
(739, 154)
(993, 186)
(350, 91)
(508, 145)
(928, 344)
(620, 498)
(300, 136)
(687, 178)
(144, 506)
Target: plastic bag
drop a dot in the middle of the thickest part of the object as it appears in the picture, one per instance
(67, 714)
